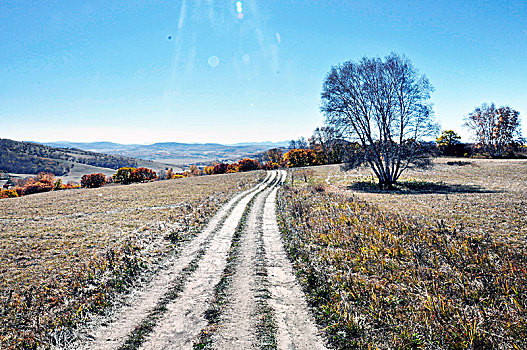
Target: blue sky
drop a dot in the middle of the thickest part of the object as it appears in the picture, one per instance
(212, 71)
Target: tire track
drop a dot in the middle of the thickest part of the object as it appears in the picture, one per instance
(237, 267)
(141, 302)
(184, 319)
(245, 320)
(258, 302)
(296, 328)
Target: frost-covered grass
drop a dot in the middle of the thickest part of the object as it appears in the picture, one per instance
(440, 263)
(66, 254)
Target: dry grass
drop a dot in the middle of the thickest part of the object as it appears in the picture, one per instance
(64, 255)
(441, 263)
(486, 197)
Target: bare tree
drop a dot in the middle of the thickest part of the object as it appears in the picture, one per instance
(300, 143)
(383, 107)
(497, 129)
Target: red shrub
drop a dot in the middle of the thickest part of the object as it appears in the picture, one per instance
(93, 180)
(248, 164)
(220, 168)
(44, 185)
(142, 175)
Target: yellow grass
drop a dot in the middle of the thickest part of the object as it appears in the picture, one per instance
(439, 263)
(65, 253)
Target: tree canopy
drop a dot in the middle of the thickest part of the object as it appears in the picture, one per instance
(383, 106)
(497, 130)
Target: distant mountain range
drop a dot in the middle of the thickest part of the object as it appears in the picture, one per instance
(177, 153)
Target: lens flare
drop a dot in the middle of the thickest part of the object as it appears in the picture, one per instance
(213, 61)
(239, 9)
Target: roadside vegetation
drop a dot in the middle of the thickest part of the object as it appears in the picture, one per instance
(439, 262)
(66, 255)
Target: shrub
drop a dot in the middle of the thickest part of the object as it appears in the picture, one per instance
(274, 155)
(70, 185)
(44, 185)
(93, 180)
(248, 164)
(142, 175)
(19, 190)
(45, 176)
(270, 165)
(300, 158)
(57, 185)
(208, 170)
(8, 194)
(232, 168)
(220, 168)
(123, 175)
(194, 170)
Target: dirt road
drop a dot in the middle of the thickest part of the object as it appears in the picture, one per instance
(231, 287)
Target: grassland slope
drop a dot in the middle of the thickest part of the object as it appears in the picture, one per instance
(66, 255)
(439, 263)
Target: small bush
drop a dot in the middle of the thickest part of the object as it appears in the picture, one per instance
(70, 185)
(248, 164)
(270, 165)
(300, 158)
(220, 168)
(93, 180)
(57, 185)
(19, 191)
(142, 175)
(123, 175)
(8, 194)
(44, 185)
(233, 168)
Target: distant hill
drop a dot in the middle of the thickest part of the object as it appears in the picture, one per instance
(262, 144)
(177, 153)
(31, 158)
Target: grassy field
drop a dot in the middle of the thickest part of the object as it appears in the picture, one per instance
(440, 263)
(484, 196)
(65, 255)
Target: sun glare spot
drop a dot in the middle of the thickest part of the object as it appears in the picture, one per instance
(239, 9)
(213, 61)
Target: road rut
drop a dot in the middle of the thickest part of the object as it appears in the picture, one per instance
(170, 312)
